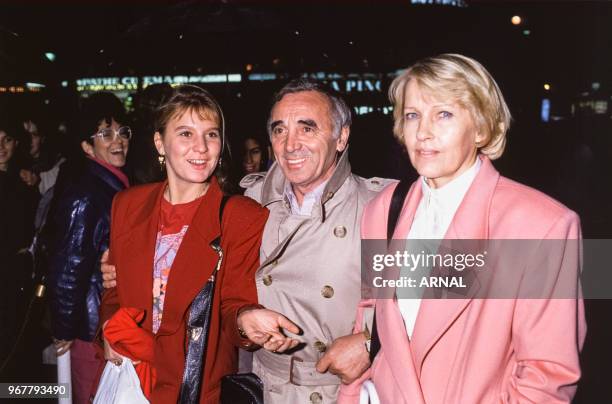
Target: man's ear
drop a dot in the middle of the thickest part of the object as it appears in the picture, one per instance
(343, 138)
(159, 143)
(88, 149)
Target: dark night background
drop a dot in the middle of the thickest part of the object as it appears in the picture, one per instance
(567, 45)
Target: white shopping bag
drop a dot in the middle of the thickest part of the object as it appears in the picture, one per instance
(120, 385)
(64, 375)
(368, 393)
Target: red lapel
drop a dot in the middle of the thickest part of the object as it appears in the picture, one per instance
(135, 259)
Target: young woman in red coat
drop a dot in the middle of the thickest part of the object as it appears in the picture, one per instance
(160, 246)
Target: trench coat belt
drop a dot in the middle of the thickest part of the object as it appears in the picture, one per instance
(295, 370)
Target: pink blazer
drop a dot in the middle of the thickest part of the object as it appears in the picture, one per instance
(478, 350)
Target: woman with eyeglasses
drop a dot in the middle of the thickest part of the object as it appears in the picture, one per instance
(79, 231)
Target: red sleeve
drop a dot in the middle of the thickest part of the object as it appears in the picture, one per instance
(238, 290)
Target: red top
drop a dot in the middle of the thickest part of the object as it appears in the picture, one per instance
(134, 226)
(173, 224)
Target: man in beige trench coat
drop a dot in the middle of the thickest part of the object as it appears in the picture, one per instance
(310, 256)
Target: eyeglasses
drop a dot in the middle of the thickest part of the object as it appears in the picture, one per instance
(109, 135)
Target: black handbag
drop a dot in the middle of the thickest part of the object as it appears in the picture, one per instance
(236, 389)
(397, 202)
(241, 388)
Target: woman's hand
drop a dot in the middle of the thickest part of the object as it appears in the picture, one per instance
(265, 327)
(111, 355)
(61, 346)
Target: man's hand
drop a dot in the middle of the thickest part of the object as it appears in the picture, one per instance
(61, 346)
(264, 327)
(347, 358)
(109, 274)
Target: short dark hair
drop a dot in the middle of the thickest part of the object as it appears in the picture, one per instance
(340, 112)
(98, 107)
(12, 126)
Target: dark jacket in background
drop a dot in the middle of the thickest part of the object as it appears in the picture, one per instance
(79, 234)
(17, 208)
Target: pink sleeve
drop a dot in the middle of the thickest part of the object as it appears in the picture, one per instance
(548, 334)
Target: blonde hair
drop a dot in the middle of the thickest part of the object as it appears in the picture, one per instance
(466, 82)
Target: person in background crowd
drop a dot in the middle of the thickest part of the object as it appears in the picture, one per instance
(17, 208)
(452, 118)
(255, 155)
(78, 234)
(41, 156)
(171, 224)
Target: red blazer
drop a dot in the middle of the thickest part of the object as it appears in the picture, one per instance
(135, 217)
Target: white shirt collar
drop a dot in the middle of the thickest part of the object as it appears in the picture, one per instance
(438, 205)
(450, 195)
(431, 221)
(310, 199)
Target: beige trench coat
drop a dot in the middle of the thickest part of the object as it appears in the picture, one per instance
(310, 272)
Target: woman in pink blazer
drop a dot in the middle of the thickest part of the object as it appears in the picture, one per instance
(452, 118)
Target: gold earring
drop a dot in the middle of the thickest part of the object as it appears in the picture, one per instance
(162, 161)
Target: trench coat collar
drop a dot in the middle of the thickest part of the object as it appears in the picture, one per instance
(192, 266)
(274, 184)
(471, 221)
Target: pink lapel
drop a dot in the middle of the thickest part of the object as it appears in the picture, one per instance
(391, 325)
(471, 221)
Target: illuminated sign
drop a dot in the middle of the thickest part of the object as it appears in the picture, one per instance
(456, 3)
(178, 80)
(348, 86)
(108, 84)
(15, 89)
(545, 111)
(131, 83)
(367, 109)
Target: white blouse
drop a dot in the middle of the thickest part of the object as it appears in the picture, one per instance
(431, 221)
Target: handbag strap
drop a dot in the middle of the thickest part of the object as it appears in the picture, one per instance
(198, 327)
(395, 208)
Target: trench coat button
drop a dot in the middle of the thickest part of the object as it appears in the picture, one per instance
(316, 398)
(267, 280)
(329, 195)
(375, 182)
(340, 231)
(327, 291)
(320, 346)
